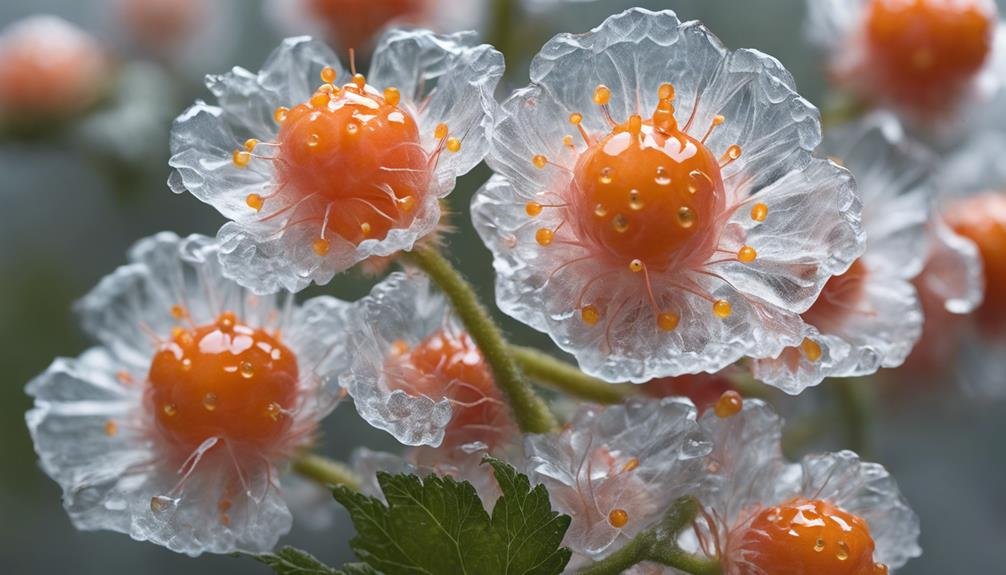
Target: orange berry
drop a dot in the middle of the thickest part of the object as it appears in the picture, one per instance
(840, 297)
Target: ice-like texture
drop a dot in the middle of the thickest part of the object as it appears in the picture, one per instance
(873, 321)
(812, 230)
(416, 398)
(442, 79)
(96, 436)
(635, 458)
(747, 474)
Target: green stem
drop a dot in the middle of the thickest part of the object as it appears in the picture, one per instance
(531, 413)
(564, 377)
(854, 405)
(659, 544)
(504, 13)
(326, 471)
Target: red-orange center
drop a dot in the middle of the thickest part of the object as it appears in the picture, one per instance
(646, 191)
(225, 380)
(162, 24)
(842, 296)
(451, 366)
(982, 219)
(358, 156)
(354, 23)
(809, 537)
(926, 50)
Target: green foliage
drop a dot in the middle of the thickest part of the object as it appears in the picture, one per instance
(291, 561)
(438, 525)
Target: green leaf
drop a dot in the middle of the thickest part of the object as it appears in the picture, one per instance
(292, 561)
(524, 520)
(437, 525)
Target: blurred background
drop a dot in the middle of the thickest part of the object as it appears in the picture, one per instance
(74, 197)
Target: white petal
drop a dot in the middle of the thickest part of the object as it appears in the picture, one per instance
(868, 491)
(443, 79)
(953, 272)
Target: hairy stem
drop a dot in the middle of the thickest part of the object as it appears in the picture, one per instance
(564, 377)
(531, 413)
(326, 471)
(659, 544)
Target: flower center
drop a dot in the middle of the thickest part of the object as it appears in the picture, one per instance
(928, 49)
(350, 160)
(809, 537)
(223, 380)
(841, 296)
(646, 191)
(354, 23)
(449, 365)
(982, 219)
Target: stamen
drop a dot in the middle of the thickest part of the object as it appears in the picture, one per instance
(759, 212)
(590, 315)
(392, 96)
(241, 158)
(722, 308)
(747, 254)
(532, 208)
(544, 236)
(717, 121)
(328, 74)
(729, 404)
(321, 246)
(811, 349)
(539, 161)
(618, 518)
(280, 114)
(732, 154)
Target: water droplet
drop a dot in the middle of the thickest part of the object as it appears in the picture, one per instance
(280, 114)
(169, 409)
(600, 211)
(636, 266)
(819, 545)
(662, 179)
(247, 369)
(728, 405)
(328, 74)
(620, 223)
(635, 202)
(313, 139)
(274, 411)
(843, 551)
(161, 503)
(605, 177)
(686, 217)
(186, 363)
(210, 401)
(352, 129)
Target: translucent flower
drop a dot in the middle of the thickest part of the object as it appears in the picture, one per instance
(868, 317)
(49, 69)
(973, 203)
(921, 57)
(174, 428)
(357, 23)
(416, 373)
(616, 470)
(830, 514)
(656, 208)
(316, 179)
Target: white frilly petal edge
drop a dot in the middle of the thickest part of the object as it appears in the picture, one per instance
(954, 271)
(778, 131)
(402, 307)
(638, 457)
(868, 491)
(444, 79)
(829, 22)
(117, 475)
(111, 482)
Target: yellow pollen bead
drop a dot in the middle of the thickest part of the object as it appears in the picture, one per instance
(544, 236)
(636, 266)
(635, 123)
(169, 409)
(328, 74)
(666, 91)
(210, 401)
(729, 404)
(255, 202)
(111, 428)
(532, 208)
(320, 100)
(250, 144)
(602, 95)
(590, 315)
(747, 254)
(178, 312)
(567, 141)
(718, 120)
(733, 152)
(280, 114)
(242, 158)
(360, 80)
(441, 131)
(539, 161)
(321, 246)
(365, 228)
(453, 145)
(407, 203)
(811, 349)
(392, 96)
(667, 321)
(759, 212)
(618, 518)
(631, 464)
(722, 308)
(575, 118)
